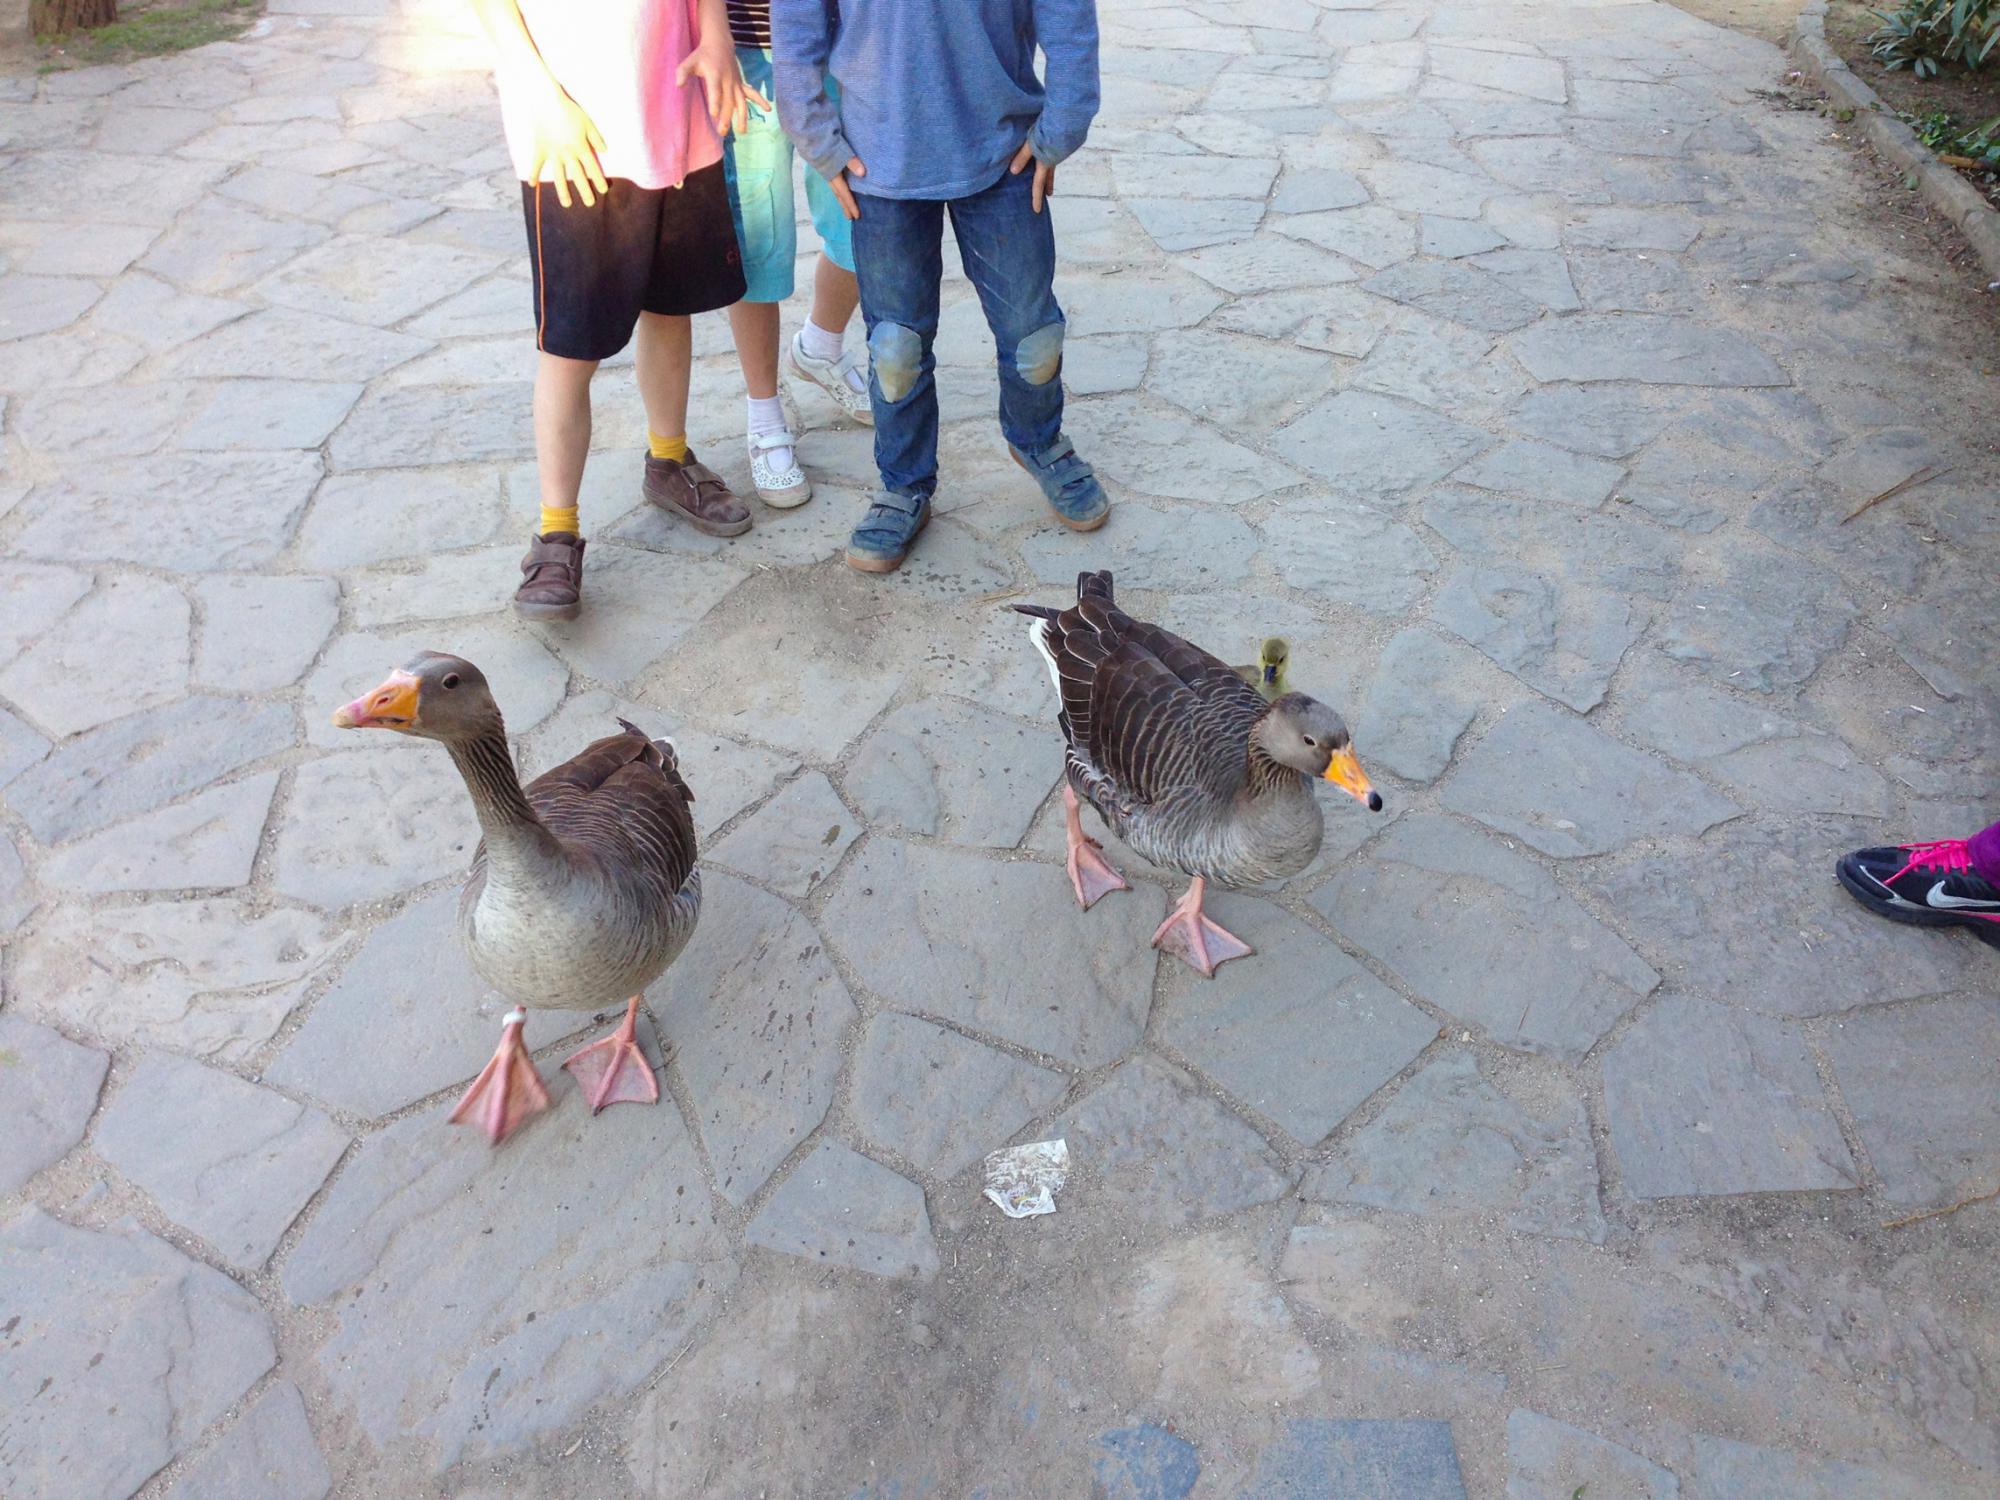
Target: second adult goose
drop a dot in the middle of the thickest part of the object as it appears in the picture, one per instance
(1185, 762)
(583, 888)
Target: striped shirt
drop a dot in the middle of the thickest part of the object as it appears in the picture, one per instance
(750, 22)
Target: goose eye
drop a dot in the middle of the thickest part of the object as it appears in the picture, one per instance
(451, 679)
(1311, 743)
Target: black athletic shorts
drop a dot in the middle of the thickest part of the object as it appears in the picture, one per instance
(656, 250)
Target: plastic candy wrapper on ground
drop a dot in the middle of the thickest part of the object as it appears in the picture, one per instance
(1023, 1180)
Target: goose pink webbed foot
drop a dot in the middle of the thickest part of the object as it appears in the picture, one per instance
(614, 1070)
(508, 1090)
(1090, 874)
(1190, 936)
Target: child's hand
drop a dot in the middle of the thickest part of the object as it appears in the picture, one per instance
(1044, 187)
(565, 141)
(714, 63)
(845, 193)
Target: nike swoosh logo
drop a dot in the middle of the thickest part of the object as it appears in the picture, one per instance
(1938, 897)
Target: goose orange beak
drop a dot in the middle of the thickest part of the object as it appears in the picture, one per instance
(1345, 772)
(393, 705)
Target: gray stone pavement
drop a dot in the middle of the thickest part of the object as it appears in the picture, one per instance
(1517, 361)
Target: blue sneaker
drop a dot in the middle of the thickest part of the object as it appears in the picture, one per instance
(883, 539)
(1068, 484)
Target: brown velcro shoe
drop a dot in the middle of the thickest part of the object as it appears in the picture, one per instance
(693, 491)
(551, 578)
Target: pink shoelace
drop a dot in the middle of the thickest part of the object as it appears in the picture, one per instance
(1951, 855)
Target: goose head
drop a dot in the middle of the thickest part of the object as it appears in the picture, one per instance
(1306, 736)
(432, 696)
(1272, 659)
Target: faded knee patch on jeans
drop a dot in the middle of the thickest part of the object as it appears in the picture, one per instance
(896, 354)
(1039, 356)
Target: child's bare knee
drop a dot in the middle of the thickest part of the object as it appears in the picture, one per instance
(1039, 356)
(897, 355)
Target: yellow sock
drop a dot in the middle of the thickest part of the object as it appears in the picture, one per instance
(559, 520)
(675, 448)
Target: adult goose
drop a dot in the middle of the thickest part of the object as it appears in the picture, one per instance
(1185, 762)
(583, 888)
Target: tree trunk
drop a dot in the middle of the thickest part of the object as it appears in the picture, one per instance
(55, 17)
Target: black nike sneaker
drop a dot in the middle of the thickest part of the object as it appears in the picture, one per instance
(1926, 885)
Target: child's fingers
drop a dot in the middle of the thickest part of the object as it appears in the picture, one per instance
(561, 187)
(759, 99)
(581, 178)
(1021, 160)
(687, 66)
(596, 140)
(596, 170)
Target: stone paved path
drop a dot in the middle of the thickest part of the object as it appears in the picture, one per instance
(1516, 361)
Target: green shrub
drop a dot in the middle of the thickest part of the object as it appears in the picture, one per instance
(1922, 35)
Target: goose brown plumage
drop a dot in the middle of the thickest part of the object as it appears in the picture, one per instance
(583, 888)
(1184, 761)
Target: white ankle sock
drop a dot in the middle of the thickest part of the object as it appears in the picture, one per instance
(818, 343)
(767, 415)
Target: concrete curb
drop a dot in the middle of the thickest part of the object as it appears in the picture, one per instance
(1945, 191)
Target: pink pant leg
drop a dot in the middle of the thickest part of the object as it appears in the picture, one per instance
(1984, 847)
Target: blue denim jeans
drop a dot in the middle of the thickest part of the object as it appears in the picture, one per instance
(1009, 254)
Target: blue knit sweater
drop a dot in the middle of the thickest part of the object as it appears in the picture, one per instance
(936, 96)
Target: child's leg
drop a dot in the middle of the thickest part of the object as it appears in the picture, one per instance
(754, 326)
(1009, 254)
(836, 294)
(663, 359)
(562, 437)
(898, 256)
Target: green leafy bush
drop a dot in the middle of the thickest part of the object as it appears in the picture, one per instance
(1922, 35)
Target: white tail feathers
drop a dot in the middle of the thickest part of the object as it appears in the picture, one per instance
(1038, 638)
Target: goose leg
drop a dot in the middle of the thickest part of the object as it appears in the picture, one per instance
(1189, 935)
(1089, 872)
(508, 1090)
(614, 1070)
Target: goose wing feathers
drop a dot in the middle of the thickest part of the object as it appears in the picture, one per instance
(1147, 710)
(621, 803)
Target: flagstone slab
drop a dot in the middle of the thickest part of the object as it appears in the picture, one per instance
(32, 598)
(1454, 290)
(231, 1161)
(1350, 553)
(1416, 706)
(1377, 447)
(208, 842)
(42, 304)
(270, 1454)
(143, 761)
(1140, 444)
(1299, 1032)
(1645, 349)
(1451, 1145)
(136, 511)
(1725, 1469)
(1561, 640)
(1612, 421)
(1548, 778)
(1917, 1079)
(1361, 1458)
(370, 824)
(939, 1100)
(1761, 620)
(1548, 1457)
(793, 842)
(360, 519)
(121, 1352)
(917, 925)
(912, 774)
(134, 633)
(1775, 762)
(1486, 936)
(757, 1017)
(1158, 548)
(48, 1092)
(281, 342)
(1235, 382)
(840, 1208)
(1151, 1151)
(1707, 1101)
(227, 245)
(365, 279)
(260, 632)
(444, 1339)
